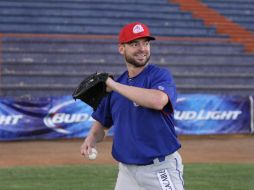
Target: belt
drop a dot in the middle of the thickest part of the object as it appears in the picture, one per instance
(161, 159)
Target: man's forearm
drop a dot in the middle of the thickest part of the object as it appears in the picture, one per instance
(97, 131)
(149, 98)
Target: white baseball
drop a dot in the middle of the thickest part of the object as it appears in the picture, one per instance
(93, 154)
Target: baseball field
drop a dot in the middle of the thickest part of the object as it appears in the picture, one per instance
(223, 162)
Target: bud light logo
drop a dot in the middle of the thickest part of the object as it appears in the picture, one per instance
(10, 119)
(208, 115)
(63, 115)
(211, 114)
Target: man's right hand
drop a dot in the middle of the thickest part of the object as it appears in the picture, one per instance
(88, 144)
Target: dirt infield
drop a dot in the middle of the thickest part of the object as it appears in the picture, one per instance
(195, 149)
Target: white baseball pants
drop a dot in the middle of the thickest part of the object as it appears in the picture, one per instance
(165, 175)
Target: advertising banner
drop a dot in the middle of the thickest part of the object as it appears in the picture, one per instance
(44, 118)
(62, 117)
(212, 114)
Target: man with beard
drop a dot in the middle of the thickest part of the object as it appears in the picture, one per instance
(140, 106)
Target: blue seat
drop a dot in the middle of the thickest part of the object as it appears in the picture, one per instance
(200, 59)
(241, 12)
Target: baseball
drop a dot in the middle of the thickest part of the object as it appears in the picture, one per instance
(93, 154)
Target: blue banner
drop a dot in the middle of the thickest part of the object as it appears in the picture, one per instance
(212, 114)
(62, 117)
(44, 118)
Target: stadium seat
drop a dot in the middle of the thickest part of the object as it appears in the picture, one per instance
(48, 47)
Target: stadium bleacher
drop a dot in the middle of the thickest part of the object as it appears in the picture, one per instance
(239, 11)
(48, 47)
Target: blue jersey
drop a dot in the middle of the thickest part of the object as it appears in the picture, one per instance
(141, 134)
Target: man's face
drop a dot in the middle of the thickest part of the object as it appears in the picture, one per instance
(136, 52)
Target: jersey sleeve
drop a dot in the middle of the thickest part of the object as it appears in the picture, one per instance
(103, 114)
(163, 80)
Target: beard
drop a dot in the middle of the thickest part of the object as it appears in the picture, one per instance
(135, 63)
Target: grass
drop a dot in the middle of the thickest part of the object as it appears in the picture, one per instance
(93, 177)
(219, 176)
(58, 178)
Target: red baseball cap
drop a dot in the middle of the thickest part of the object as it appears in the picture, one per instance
(134, 31)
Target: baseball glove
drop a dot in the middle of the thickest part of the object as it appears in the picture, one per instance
(92, 89)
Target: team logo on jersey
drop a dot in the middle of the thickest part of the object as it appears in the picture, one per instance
(137, 29)
(161, 88)
(135, 104)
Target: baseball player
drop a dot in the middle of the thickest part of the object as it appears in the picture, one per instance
(140, 106)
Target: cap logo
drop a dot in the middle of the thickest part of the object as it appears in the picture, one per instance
(137, 29)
